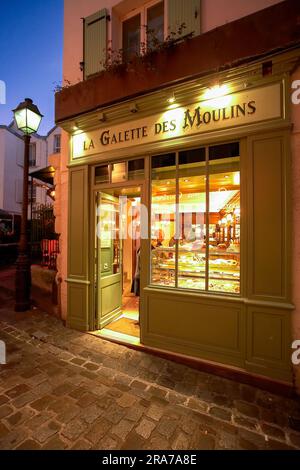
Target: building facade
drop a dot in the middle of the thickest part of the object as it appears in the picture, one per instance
(11, 167)
(180, 182)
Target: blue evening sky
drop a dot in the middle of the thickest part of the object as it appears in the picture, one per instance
(31, 41)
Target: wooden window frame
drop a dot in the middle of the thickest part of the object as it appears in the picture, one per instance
(142, 11)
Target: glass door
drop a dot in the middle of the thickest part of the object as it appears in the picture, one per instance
(108, 259)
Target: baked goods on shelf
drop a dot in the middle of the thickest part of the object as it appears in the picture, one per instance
(223, 270)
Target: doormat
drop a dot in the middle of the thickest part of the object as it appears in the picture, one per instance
(125, 326)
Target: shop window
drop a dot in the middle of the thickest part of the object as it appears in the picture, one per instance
(192, 219)
(120, 171)
(136, 169)
(224, 220)
(163, 227)
(102, 174)
(195, 219)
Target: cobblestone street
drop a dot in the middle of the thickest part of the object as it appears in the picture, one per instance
(62, 389)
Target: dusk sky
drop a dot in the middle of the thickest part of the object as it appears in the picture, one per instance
(31, 38)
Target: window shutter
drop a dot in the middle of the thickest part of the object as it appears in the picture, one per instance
(184, 11)
(95, 42)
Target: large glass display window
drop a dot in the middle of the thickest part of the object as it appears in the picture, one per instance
(195, 219)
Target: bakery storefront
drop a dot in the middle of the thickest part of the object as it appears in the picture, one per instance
(179, 232)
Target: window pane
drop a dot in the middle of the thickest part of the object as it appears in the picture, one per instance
(119, 172)
(136, 169)
(57, 142)
(108, 235)
(192, 209)
(224, 225)
(155, 25)
(163, 210)
(224, 151)
(131, 37)
(102, 174)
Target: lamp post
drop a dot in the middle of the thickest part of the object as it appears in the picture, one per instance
(27, 118)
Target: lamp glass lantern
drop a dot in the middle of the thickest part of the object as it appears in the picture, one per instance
(27, 117)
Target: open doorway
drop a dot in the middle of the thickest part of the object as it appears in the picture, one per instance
(118, 263)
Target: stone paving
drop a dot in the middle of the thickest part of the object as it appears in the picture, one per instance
(62, 389)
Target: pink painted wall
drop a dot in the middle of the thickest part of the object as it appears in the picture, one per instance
(218, 12)
(60, 161)
(214, 13)
(296, 223)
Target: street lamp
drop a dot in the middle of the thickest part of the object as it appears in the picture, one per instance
(27, 118)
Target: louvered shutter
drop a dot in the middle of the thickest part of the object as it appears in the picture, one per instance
(184, 11)
(95, 42)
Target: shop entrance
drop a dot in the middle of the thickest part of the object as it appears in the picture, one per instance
(117, 263)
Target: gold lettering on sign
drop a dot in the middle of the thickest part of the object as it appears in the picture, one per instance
(198, 117)
(233, 110)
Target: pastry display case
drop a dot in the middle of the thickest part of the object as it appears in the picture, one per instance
(223, 268)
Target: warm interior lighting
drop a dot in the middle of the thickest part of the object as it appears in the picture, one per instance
(236, 178)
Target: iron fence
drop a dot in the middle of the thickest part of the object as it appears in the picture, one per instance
(43, 238)
(43, 241)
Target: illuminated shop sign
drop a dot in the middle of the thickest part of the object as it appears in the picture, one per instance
(232, 110)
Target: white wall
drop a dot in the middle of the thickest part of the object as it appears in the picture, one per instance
(11, 167)
(218, 12)
(50, 140)
(12, 153)
(41, 151)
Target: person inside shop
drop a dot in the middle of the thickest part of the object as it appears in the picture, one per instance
(135, 287)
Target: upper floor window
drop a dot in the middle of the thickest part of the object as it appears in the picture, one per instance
(136, 31)
(143, 30)
(131, 37)
(57, 143)
(32, 154)
(155, 24)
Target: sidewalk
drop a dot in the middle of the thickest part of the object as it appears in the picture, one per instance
(7, 280)
(63, 389)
